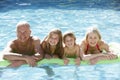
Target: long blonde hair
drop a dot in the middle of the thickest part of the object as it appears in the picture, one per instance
(59, 46)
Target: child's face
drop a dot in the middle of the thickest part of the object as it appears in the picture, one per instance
(53, 40)
(92, 39)
(69, 41)
(23, 33)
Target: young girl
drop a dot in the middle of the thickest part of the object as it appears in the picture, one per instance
(71, 49)
(52, 45)
(93, 47)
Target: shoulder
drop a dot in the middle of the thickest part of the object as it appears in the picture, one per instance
(83, 44)
(65, 48)
(12, 42)
(77, 46)
(43, 44)
(10, 46)
(102, 43)
(35, 38)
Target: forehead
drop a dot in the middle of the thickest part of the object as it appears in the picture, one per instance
(69, 37)
(92, 34)
(23, 28)
(53, 35)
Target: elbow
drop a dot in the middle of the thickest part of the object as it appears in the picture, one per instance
(5, 56)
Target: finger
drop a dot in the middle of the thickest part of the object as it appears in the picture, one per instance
(33, 63)
(36, 58)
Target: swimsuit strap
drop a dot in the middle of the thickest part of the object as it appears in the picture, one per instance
(87, 49)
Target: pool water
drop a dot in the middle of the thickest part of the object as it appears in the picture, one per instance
(73, 15)
(56, 72)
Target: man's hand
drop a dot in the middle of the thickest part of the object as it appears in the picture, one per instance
(31, 60)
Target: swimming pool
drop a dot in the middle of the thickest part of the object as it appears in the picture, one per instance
(74, 15)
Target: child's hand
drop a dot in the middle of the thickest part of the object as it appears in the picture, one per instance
(66, 61)
(48, 56)
(55, 56)
(112, 56)
(77, 61)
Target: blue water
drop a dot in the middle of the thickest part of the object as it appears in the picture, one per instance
(55, 72)
(74, 15)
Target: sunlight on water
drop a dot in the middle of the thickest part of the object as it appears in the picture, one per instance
(75, 20)
(53, 72)
(72, 15)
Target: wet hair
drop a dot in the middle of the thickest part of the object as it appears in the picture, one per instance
(93, 30)
(23, 23)
(59, 46)
(69, 33)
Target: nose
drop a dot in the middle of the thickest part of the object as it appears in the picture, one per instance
(22, 32)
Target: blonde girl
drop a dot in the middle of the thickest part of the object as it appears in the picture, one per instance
(94, 49)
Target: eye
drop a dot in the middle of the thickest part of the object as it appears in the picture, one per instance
(90, 37)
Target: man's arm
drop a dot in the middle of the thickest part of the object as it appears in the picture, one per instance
(38, 49)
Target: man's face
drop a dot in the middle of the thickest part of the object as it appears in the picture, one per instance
(23, 33)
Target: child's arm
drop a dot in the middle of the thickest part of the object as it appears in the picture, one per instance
(77, 60)
(45, 55)
(66, 60)
(104, 46)
(88, 56)
(109, 54)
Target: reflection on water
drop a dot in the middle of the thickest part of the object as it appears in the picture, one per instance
(75, 15)
(56, 72)
(48, 70)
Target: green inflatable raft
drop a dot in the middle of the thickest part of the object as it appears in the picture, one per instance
(114, 47)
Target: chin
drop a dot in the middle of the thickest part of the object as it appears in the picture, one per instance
(93, 45)
(23, 40)
(52, 44)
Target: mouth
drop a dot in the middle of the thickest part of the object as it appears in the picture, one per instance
(52, 43)
(23, 39)
(70, 45)
(93, 43)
